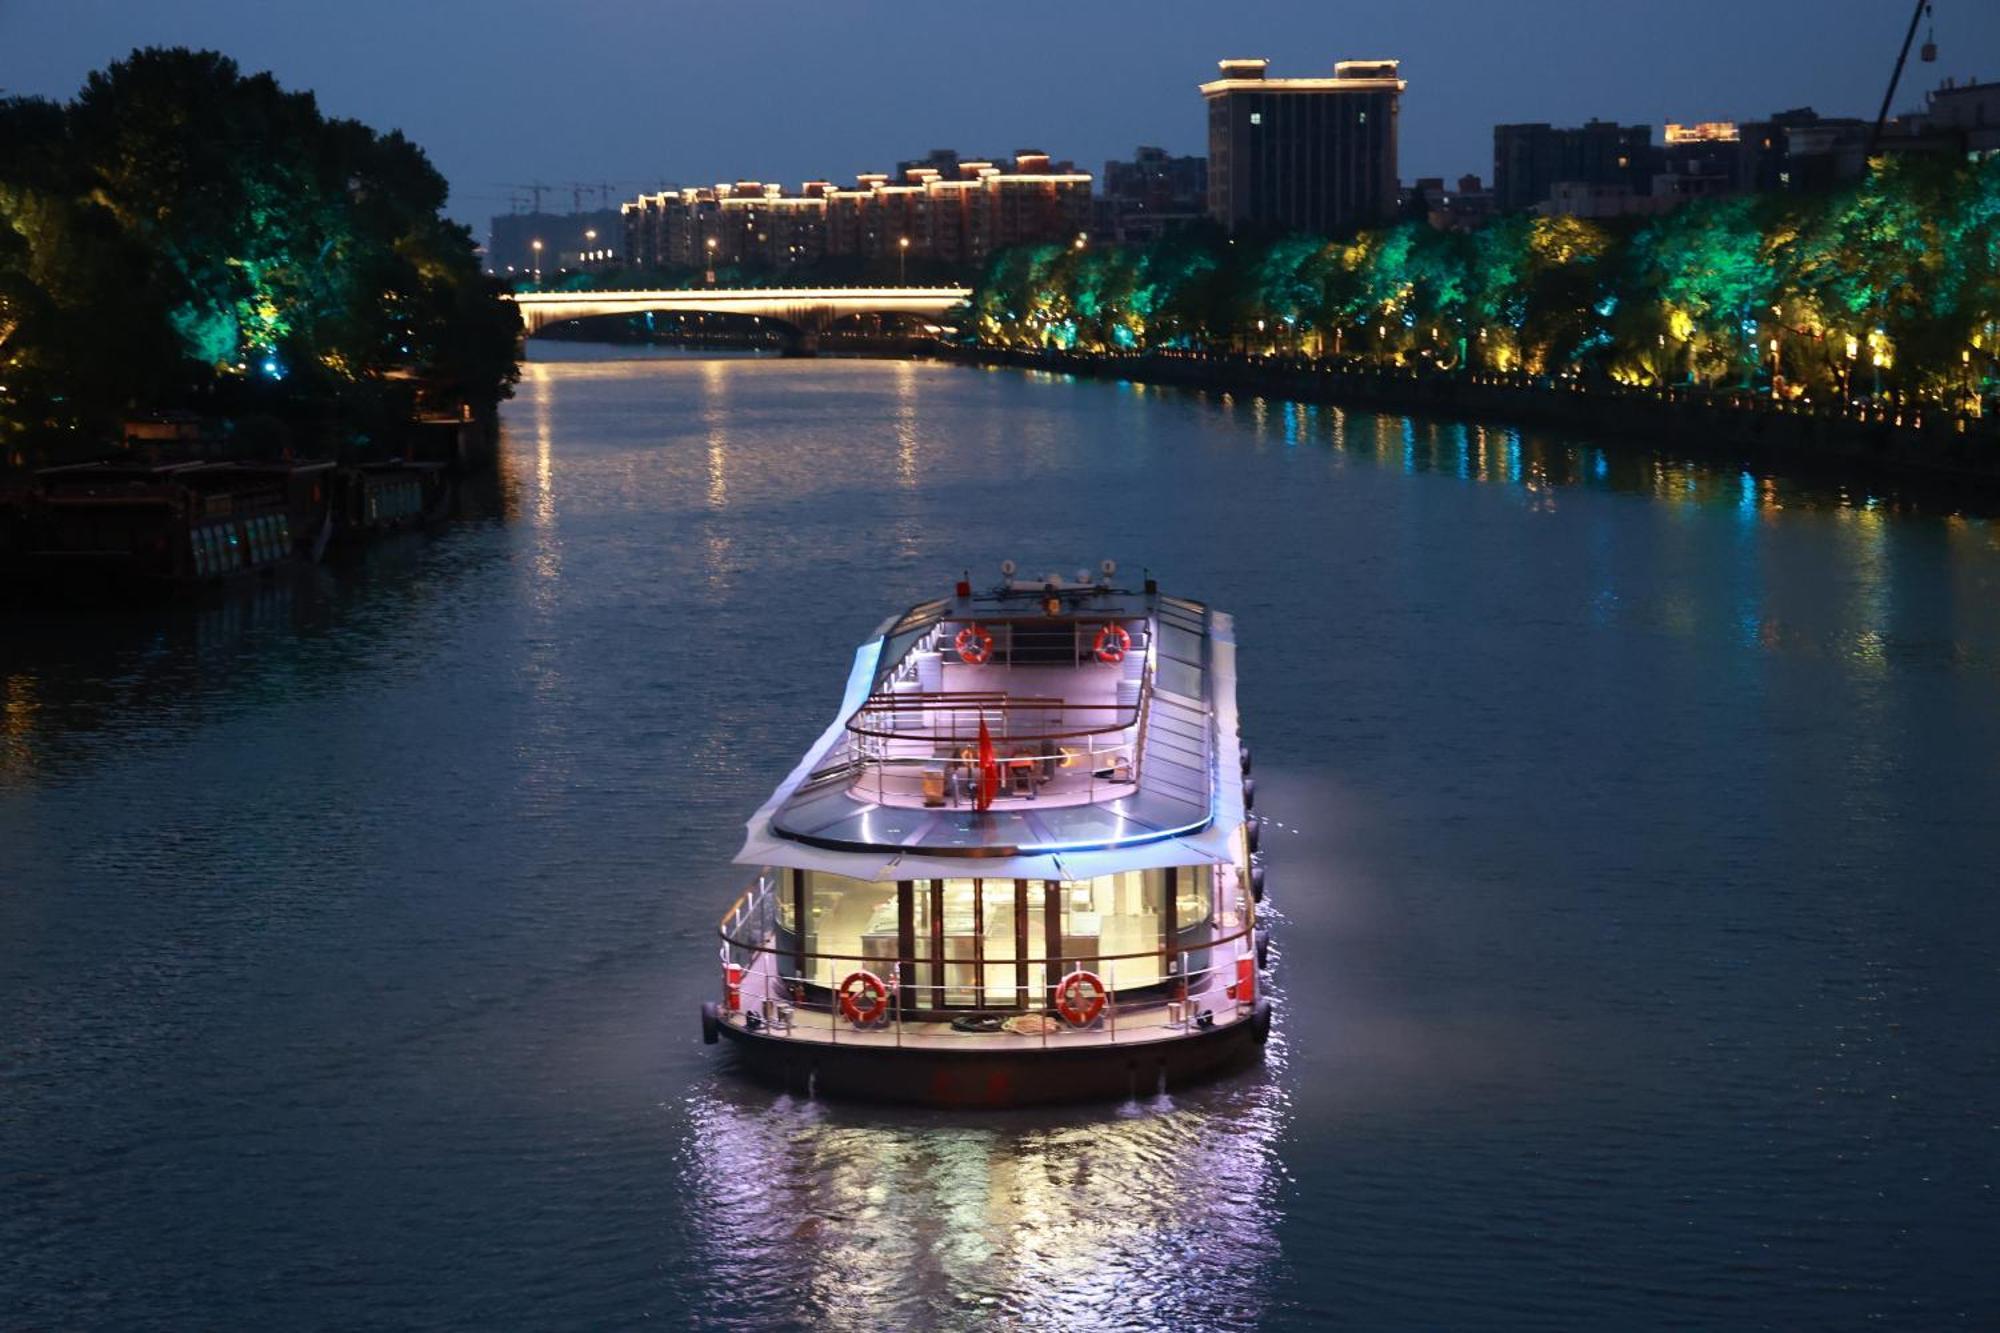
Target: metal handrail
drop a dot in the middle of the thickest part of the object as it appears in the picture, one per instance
(983, 702)
(778, 999)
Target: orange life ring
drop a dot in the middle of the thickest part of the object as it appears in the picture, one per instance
(853, 987)
(1112, 644)
(1077, 1011)
(974, 645)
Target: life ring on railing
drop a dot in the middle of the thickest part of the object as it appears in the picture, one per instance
(974, 644)
(853, 987)
(1080, 998)
(1112, 644)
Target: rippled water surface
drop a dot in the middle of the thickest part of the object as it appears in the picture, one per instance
(1635, 855)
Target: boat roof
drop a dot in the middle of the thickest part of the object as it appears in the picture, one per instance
(1169, 791)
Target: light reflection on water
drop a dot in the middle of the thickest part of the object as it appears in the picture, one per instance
(1632, 836)
(1158, 1214)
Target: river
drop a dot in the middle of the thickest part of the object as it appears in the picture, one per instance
(1633, 846)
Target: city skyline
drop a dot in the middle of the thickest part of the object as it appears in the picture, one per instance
(631, 96)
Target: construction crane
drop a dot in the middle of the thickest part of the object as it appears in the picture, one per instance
(605, 191)
(578, 189)
(535, 188)
(1928, 56)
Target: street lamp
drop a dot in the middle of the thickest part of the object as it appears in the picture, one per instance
(1080, 240)
(903, 261)
(538, 258)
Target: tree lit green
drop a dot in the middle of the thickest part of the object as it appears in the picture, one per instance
(1886, 291)
(182, 235)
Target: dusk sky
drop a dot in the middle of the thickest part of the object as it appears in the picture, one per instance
(636, 92)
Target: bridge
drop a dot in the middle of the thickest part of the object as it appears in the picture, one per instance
(809, 311)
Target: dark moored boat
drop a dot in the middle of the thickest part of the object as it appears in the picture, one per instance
(134, 525)
(1018, 868)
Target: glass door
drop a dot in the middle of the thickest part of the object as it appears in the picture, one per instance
(919, 944)
(962, 943)
(999, 944)
(975, 944)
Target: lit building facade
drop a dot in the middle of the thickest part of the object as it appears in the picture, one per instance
(943, 208)
(1303, 154)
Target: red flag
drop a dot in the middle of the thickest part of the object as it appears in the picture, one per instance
(989, 769)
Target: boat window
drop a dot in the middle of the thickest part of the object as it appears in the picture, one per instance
(925, 993)
(1178, 643)
(921, 616)
(893, 650)
(997, 945)
(1036, 942)
(1177, 677)
(852, 924)
(1194, 897)
(1113, 915)
(782, 891)
(963, 933)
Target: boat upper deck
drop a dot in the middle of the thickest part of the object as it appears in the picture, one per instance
(1031, 720)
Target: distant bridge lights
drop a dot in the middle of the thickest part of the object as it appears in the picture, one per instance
(806, 310)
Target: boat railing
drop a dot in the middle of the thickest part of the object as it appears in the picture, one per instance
(923, 748)
(956, 715)
(772, 988)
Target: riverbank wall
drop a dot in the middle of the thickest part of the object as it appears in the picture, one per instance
(1876, 443)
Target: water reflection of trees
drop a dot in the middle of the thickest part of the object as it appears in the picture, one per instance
(1546, 462)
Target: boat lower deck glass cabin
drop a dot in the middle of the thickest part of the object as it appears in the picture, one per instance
(971, 943)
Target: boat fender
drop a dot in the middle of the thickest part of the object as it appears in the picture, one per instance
(1249, 793)
(1243, 758)
(711, 1022)
(1261, 1022)
(864, 997)
(1257, 883)
(1264, 948)
(1253, 829)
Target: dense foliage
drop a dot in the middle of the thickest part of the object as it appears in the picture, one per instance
(1888, 288)
(183, 236)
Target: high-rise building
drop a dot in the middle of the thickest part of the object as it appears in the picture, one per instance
(1529, 160)
(1302, 154)
(1149, 196)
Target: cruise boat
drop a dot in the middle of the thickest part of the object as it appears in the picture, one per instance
(1018, 867)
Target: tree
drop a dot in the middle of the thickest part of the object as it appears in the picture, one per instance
(182, 233)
